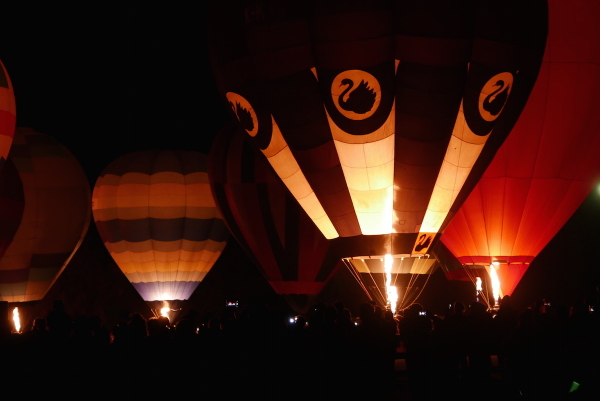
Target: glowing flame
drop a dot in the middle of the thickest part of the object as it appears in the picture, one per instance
(16, 320)
(391, 291)
(478, 284)
(164, 311)
(495, 284)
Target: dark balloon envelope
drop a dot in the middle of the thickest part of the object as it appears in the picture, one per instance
(55, 217)
(12, 204)
(549, 163)
(267, 221)
(155, 212)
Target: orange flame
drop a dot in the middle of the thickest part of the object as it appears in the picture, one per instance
(164, 311)
(16, 320)
(495, 284)
(391, 290)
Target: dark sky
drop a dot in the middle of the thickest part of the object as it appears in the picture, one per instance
(110, 81)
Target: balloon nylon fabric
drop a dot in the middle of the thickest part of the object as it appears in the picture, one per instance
(55, 218)
(275, 232)
(379, 117)
(12, 204)
(155, 212)
(548, 164)
(8, 114)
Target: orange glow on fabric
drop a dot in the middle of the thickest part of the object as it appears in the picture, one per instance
(548, 164)
(157, 217)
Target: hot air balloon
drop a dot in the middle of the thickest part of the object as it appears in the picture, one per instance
(155, 212)
(379, 117)
(8, 114)
(291, 252)
(54, 220)
(547, 166)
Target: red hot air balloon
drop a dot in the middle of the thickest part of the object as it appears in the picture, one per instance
(155, 212)
(379, 117)
(275, 232)
(8, 114)
(549, 163)
(55, 218)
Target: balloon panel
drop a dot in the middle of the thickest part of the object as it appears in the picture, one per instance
(266, 220)
(8, 114)
(382, 129)
(155, 212)
(399, 265)
(55, 217)
(12, 204)
(548, 165)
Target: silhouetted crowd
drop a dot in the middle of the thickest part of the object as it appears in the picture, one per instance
(542, 352)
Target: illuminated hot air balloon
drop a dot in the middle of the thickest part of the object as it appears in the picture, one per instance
(547, 166)
(155, 212)
(379, 117)
(8, 114)
(275, 232)
(55, 217)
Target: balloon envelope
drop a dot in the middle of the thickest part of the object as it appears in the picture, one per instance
(275, 232)
(155, 212)
(379, 117)
(55, 218)
(549, 163)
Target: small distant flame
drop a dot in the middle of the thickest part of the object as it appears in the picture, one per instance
(391, 290)
(16, 320)
(478, 283)
(495, 284)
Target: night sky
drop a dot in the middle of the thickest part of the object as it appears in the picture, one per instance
(109, 81)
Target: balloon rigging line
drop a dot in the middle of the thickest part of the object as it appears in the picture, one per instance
(399, 270)
(382, 297)
(422, 288)
(412, 282)
(357, 277)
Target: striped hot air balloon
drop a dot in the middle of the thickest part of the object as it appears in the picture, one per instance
(55, 218)
(291, 252)
(8, 114)
(155, 212)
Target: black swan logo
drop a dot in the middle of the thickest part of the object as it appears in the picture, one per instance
(243, 116)
(356, 94)
(244, 112)
(495, 101)
(494, 95)
(360, 100)
(423, 243)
